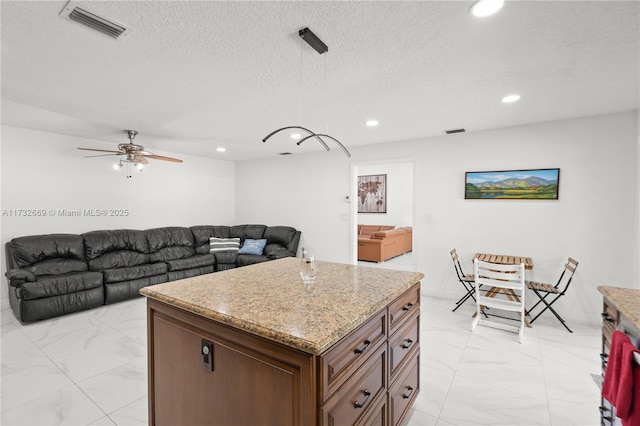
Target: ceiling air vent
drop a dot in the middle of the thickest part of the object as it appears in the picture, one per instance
(94, 21)
(452, 131)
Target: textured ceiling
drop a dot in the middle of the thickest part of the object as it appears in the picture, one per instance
(193, 76)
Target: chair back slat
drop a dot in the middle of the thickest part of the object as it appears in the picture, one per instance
(570, 266)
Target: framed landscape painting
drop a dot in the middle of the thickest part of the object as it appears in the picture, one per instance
(372, 194)
(535, 184)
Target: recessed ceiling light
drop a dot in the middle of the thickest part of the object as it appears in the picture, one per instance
(372, 123)
(510, 99)
(221, 149)
(483, 8)
(295, 136)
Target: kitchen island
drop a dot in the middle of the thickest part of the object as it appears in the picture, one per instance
(254, 346)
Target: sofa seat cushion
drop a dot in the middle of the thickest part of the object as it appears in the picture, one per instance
(250, 259)
(115, 275)
(226, 258)
(56, 285)
(196, 261)
(276, 251)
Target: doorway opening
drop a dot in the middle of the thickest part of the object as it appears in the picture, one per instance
(390, 188)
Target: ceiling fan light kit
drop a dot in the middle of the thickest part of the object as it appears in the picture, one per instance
(133, 154)
(319, 46)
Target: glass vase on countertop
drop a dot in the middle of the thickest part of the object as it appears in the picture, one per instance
(308, 270)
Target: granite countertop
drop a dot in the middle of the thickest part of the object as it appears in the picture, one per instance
(268, 299)
(625, 300)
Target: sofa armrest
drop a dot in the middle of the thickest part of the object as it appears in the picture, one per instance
(17, 275)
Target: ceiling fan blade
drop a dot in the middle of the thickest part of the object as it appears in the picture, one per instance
(161, 157)
(102, 155)
(101, 150)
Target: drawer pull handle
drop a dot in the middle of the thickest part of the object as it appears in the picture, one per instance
(407, 306)
(407, 345)
(604, 357)
(362, 349)
(407, 395)
(606, 317)
(357, 404)
(602, 411)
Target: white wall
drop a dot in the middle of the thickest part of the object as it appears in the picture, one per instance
(399, 193)
(43, 170)
(595, 220)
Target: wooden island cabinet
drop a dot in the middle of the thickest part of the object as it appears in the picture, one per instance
(620, 311)
(253, 346)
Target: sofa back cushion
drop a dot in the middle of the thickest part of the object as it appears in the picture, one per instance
(169, 243)
(280, 235)
(254, 232)
(115, 248)
(49, 254)
(203, 234)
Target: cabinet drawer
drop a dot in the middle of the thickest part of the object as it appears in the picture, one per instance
(352, 402)
(402, 344)
(377, 414)
(403, 307)
(338, 363)
(404, 391)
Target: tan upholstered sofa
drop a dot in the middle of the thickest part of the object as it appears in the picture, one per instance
(377, 243)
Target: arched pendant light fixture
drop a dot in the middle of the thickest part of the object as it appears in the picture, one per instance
(307, 35)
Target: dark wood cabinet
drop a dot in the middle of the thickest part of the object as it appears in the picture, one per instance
(203, 372)
(618, 303)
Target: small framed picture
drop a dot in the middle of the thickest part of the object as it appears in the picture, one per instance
(372, 194)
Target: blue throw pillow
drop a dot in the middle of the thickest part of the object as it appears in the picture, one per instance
(253, 246)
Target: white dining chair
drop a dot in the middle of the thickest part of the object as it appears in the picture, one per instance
(500, 280)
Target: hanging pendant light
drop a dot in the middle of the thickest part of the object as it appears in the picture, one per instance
(318, 45)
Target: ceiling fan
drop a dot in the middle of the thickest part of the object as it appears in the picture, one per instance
(133, 154)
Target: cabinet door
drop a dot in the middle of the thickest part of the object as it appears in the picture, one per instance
(242, 388)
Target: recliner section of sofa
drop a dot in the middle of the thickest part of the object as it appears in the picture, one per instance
(57, 274)
(175, 246)
(123, 258)
(49, 276)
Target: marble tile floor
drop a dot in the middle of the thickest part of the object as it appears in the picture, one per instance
(404, 262)
(90, 369)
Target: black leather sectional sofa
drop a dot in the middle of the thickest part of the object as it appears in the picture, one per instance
(52, 275)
